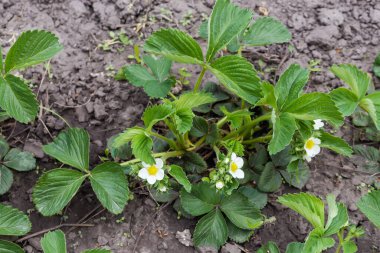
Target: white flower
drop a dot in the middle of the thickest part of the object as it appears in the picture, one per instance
(219, 185)
(307, 158)
(236, 165)
(163, 189)
(318, 124)
(312, 147)
(152, 172)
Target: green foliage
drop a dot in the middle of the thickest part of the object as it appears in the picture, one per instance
(270, 247)
(178, 174)
(10, 247)
(376, 66)
(13, 221)
(369, 204)
(31, 48)
(335, 143)
(12, 159)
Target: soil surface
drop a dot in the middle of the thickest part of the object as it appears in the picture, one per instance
(81, 89)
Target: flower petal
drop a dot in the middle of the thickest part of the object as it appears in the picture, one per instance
(239, 174)
(239, 162)
(316, 149)
(233, 156)
(143, 173)
(145, 165)
(159, 163)
(151, 179)
(160, 174)
(317, 141)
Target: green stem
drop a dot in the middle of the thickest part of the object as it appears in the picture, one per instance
(199, 81)
(161, 155)
(248, 126)
(341, 240)
(258, 139)
(221, 122)
(169, 141)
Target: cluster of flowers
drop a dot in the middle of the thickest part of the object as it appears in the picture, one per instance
(311, 146)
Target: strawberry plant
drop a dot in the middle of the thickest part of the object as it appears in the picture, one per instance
(13, 159)
(32, 47)
(205, 134)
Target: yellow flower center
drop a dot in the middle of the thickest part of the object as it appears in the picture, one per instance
(309, 144)
(234, 167)
(152, 170)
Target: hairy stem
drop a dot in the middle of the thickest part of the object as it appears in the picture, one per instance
(248, 126)
(172, 143)
(258, 139)
(199, 81)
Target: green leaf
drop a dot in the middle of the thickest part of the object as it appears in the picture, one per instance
(283, 131)
(314, 106)
(376, 69)
(337, 216)
(265, 31)
(226, 22)
(178, 174)
(184, 120)
(164, 197)
(307, 205)
(345, 100)
(138, 75)
(238, 76)
(369, 204)
(71, 147)
(211, 230)
(32, 47)
(270, 179)
(294, 247)
(371, 103)
(156, 113)
(160, 66)
(55, 189)
(127, 136)
(110, 186)
(270, 247)
(122, 152)
(19, 160)
(241, 212)
(317, 242)
(97, 251)
(54, 242)
(282, 158)
(268, 97)
(259, 199)
(335, 143)
(368, 152)
(142, 148)
(17, 99)
(199, 128)
(235, 117)
(1, 61)
(10, 247)
(201, 200)
(13, 221)
(237, 234)
(191, 162)
(4, 147)
(290, 85)
(159, 90)
(175, 45)
(296, 174)
(357, 80)
(6, 179)
(190, 100)
(349, 247)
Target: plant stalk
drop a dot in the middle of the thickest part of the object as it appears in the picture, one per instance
(169, 141)
(258, 139)
(199, 81)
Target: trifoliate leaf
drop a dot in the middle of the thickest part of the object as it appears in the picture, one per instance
(178, 174)
(190, 100)
(345, 100)
(110, 186)
(20, 160)
(371, 103)
(316, 242)
(290, 85)
(32, 47)
(369, 204)
(54, 242)
(211, 230)
(307, 205)
(175, 45)
(17, 99)
(13, 221)
(335, 143)
(55, 189)
(226, 22)
(265, 31)
(357, 80)
(314, 106)
(241, 212)
(237, 234)
(238, 76)
(184, 120)
(160, 67)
